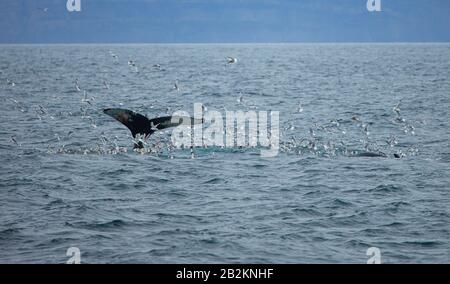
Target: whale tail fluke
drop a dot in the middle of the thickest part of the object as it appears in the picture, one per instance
(138, 124)
(173, 121)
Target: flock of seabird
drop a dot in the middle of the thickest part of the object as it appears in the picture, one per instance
(140, 138)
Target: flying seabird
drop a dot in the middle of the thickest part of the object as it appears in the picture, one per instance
(231, 60)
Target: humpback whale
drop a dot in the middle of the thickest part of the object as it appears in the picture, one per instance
(366, 154)
(138, 124)
(141, 126)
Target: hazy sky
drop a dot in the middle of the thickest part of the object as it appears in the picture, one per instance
(146, 21)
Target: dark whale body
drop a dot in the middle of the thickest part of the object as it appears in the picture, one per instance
(366, 154)
(369, 154)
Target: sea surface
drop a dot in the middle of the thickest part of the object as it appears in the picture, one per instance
(364, 156)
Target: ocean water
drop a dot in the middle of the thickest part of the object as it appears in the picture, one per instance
(69, 176)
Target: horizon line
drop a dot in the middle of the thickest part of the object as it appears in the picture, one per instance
(212, 43)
